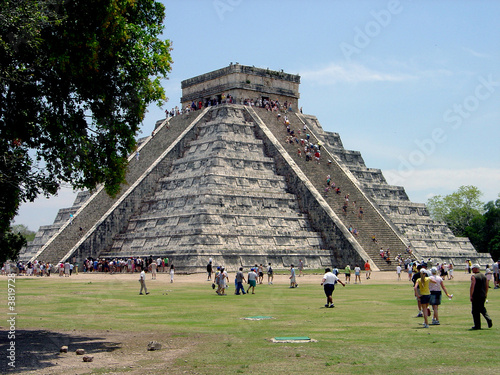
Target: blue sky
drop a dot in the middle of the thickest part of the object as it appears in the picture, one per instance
(413, 85)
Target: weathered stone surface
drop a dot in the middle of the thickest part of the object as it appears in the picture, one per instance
(64, 349)
(80, 351)
(154, 345)
(88, 358)
(224, 183)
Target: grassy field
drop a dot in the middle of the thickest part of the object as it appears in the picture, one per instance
(372, 329)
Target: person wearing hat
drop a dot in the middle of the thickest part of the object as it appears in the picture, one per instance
(328, 283)
(423, 293)
(478, 295)
(435, 289)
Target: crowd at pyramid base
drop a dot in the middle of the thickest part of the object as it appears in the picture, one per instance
(245, 185)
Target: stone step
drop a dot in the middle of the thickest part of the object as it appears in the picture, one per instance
(371, 222)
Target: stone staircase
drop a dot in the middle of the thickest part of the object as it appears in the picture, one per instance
(222, 199)
(45, 232)
(373, 221)
(411, 221)
(97, 220)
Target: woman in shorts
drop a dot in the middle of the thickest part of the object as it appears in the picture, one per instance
(422, 285)
(435, 289)
(252, 280)
(357, 274)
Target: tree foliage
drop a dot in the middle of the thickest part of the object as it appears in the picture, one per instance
(484, 231)
(76, 79)
(467, 216)
(10, 245)
(457, 209)
(24, 231)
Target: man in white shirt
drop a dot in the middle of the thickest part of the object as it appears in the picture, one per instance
(142, 280)
(293, 283)
(328, 282)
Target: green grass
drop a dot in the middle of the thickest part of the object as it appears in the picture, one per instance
(372, 329)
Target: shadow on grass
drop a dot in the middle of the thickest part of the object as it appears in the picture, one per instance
(36, 350)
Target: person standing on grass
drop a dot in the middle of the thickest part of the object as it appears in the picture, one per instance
(450, 271)
(328, 282)
(261, 273)
(489, 275)
(293, 282)
(270, 275)
(239, 282)
(172, 271)
(414, 279)
(435, 289)
(66, 269)
(425, 294)
(209, 271)
(252, 280)
(478, 295)
(348, 274)
(368, 270)
(496, 272)
(398, 271)
(217, 279)
(153, 267)
(357, 274)
(409, 269)
(142, 280)
(301, 267)
(223, 279)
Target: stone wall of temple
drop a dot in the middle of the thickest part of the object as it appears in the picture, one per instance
(227, 182)
(242, 82)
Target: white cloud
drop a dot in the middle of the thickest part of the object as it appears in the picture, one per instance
(423, 184)
(352, 73)
(43, 210)
(475, 53)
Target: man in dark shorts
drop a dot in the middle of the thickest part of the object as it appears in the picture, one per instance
(252, 280)
(328, 282)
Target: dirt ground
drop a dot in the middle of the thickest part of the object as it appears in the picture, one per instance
(37, 350)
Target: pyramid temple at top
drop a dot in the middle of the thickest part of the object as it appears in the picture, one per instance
(226, 181)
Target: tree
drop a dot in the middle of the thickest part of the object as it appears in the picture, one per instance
(10, 245)
(484, 231)
(24, 231)
(457, 209)
(76, 79)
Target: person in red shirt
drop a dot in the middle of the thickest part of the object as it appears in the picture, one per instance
(368, 270)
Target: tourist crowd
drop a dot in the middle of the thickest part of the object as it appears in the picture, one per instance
(270, 105)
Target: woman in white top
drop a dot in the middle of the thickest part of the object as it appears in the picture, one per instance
(435, 289)
(357, 274)
(172, 270)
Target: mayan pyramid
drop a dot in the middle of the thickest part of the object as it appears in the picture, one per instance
(225, 182)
